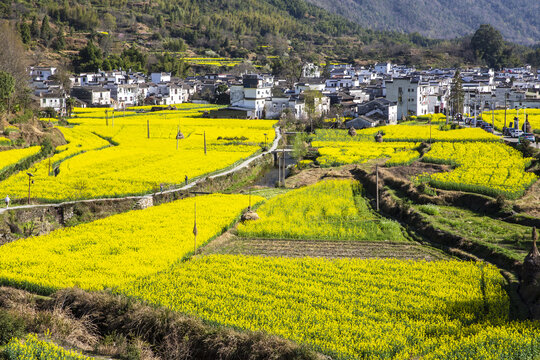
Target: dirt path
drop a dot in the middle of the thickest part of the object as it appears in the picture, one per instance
(214, 175)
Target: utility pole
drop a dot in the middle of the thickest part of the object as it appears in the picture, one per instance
(475, 102)
(177, 136)
(148, 129)
(113, 118)
(377, 183)
(30, 181)
(279, 169)
(493, 116)
(430, 129)
(481, 106)
(195, 231)
(505, 107)
(204, 134)
(107, 117)
(283, 171)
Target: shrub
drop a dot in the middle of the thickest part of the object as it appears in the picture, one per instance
(10, 326)
(429, 209)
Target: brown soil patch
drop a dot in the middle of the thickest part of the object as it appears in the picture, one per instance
(416, 168)
(228, 243)
(312, 176)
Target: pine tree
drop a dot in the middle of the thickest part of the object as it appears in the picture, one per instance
(45, 29)
(7, 87)
(34, 28)
(24, 29)
(60, 43)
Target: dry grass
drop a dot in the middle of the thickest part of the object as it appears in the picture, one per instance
(63, 327)
(172, 335)
(103, 324)
(530, 202)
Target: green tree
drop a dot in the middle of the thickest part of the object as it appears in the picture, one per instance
(533, 58)
(24, 29)
(289, 68)
(176, 45)
(488, 44)
(109, 21)
(7, 87)
(134, 59)
(34, 27)
(160, 21)
(326, 71)
(169, 63)
(5, 8)
(45, 29)
(312, 99)
(457, 96)
(90, 58)
(60, 43)
(300, 146)
(70, 104)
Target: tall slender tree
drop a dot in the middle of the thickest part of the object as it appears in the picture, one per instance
(34, 27)
(45, 29)
(7, 87)
(24, 29)
(457, 96)
(60, 42)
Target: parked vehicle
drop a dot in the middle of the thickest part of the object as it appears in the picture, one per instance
(489, 128)
(469, 121)
(526, 136)
(486, 125)
(516, 133)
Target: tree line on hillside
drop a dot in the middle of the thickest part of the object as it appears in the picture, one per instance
(225, 28)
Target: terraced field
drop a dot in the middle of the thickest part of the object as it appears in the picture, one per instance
(230, 244)
(115, 154)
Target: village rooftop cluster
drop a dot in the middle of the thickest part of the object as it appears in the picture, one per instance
(380, 94)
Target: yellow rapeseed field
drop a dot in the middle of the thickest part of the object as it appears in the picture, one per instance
(353, 309)
(421, 133)
(532, 114)
(46, 185)
(336, 153)
(329, 210)
(110, 252)
(32, 348)
(488, 168)
(137, 164)
(11, 157)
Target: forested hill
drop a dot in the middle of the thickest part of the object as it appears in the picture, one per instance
(147, 32)
(517, 20)
(232, 28)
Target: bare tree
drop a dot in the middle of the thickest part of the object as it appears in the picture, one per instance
(13, 59)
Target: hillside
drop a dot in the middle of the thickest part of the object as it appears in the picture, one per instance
(443, 18)
(237, 29)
